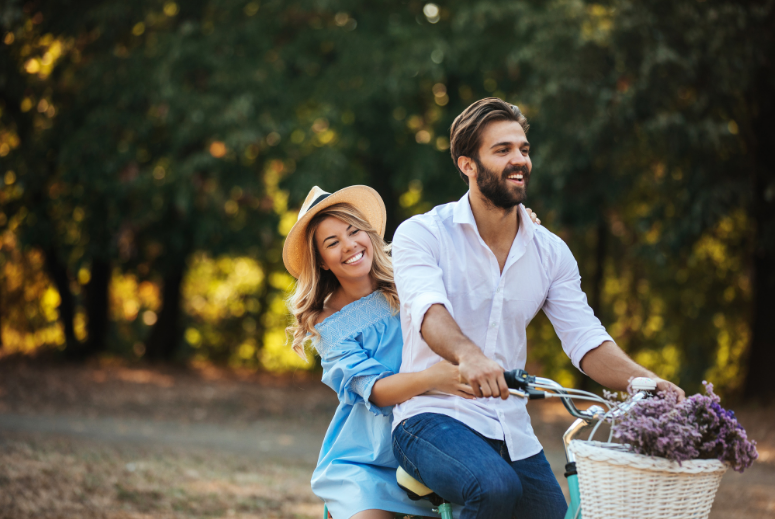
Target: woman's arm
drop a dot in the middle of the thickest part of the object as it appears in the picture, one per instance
(400, 387)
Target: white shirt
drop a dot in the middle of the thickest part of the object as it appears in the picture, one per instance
(439, 257)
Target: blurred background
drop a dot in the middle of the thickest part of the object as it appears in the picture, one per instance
(153, 154)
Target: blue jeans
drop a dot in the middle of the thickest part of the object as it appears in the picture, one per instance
(464, 467)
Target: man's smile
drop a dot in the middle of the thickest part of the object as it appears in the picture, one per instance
(517, 175)
(516, 178)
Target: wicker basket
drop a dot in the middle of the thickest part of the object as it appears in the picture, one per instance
(614, 483)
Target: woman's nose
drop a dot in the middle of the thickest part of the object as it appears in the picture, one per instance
(348, 244)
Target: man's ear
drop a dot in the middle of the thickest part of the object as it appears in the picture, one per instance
(467, 166)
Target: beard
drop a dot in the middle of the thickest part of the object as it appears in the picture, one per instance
(496, 189)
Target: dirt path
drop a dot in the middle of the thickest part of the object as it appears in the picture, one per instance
(115, 441)
(272, 439)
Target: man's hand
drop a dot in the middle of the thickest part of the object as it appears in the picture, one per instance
(609, 366)
(443, 335)
(665, 385)
(485, 376)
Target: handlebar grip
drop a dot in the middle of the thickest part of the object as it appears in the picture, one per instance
(518, 379)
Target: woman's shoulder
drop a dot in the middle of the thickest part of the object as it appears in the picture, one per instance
(325, 314)
(354, 318)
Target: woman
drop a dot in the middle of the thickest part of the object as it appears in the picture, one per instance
(345, 301)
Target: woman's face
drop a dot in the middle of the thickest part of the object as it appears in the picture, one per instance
(345, 250)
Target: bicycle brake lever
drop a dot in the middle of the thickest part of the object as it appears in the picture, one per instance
(530, 394)
(518, 392)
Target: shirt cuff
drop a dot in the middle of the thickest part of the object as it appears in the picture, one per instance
(363, 386)
(586, 346)
(420, 305)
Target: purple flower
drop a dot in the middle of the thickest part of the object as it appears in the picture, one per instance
(697, 428)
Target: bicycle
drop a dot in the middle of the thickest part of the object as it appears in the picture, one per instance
(523, 385)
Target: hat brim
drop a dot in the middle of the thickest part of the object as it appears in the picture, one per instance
(363, 198)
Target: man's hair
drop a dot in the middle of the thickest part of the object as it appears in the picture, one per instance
(466, 131)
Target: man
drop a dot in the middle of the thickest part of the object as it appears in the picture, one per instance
(471, 275)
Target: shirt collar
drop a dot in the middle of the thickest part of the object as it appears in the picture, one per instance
(464, 215)
(526, 225)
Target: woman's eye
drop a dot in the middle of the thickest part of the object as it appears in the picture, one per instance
(331, 244)
(356, 231)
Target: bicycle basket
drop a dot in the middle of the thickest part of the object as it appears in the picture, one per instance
(615, 483)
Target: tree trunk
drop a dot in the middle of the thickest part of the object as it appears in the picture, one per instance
(378, 166)
(61, 280)
(761, 353)
(2, 286)
(595, 296)
(166, 334)
(380, 181)
(97, 306)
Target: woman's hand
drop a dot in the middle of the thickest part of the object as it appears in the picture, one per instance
(533, 216)
(444, 377)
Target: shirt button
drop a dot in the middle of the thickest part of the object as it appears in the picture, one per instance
(493, 325)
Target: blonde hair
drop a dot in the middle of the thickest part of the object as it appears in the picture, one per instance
(316, 284)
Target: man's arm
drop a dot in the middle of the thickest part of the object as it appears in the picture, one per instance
(444, 337)
(584, 339)
(420, 285)
(609, 366)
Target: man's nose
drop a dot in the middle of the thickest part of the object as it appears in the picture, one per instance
(518, 159)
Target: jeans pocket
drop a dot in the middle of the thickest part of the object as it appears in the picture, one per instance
(406, 426)
(415, 424)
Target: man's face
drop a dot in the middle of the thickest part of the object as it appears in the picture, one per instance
(503, 166)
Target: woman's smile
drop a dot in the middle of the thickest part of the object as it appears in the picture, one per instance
(353, 260)
(344, 250)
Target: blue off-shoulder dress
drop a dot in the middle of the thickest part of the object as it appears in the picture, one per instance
(356, 470)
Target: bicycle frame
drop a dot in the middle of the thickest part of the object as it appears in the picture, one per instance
(534, 386)
(523, 385)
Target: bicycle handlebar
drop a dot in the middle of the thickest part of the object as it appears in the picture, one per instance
(531, 387)
(518, 379)
(522, 384)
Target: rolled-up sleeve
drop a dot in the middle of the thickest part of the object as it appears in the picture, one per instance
(351, 372)
(567, 308)
(419, 278)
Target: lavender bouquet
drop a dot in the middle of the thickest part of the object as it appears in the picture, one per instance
(697, 428)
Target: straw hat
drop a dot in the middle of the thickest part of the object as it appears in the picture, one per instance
(363, 198)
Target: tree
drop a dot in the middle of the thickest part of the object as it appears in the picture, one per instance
(128, 100)
(153, 132)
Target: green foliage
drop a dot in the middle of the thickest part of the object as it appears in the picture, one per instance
(151, 134)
